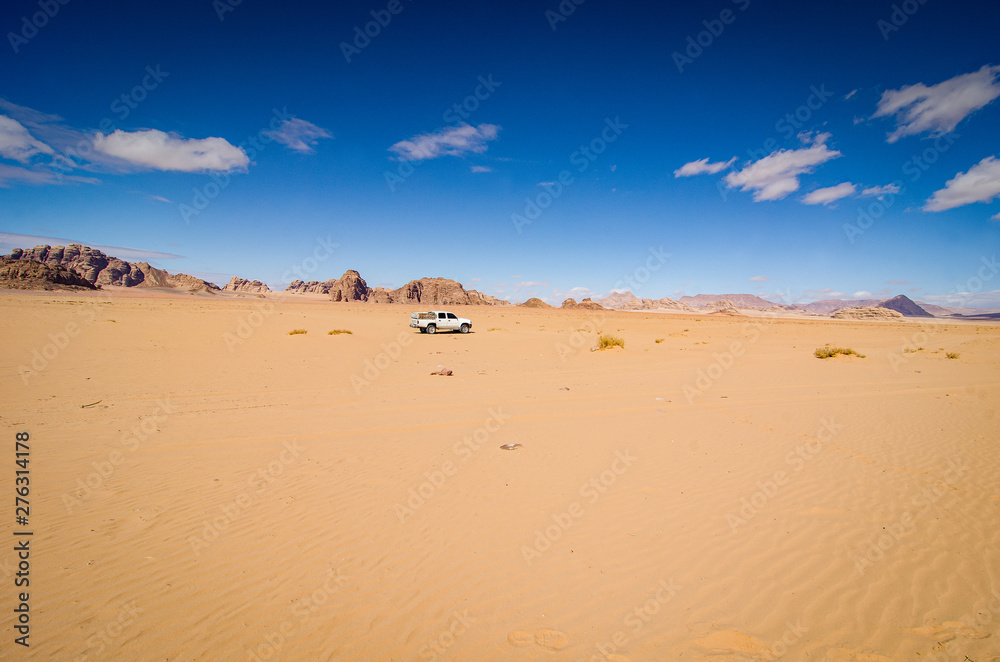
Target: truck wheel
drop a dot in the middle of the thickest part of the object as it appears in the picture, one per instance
(431, 329)
(465, 328)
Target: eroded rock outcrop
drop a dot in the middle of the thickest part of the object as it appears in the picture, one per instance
(237, 284)
(866, 313)
(31, 275)
(586, 304)
(100, 269)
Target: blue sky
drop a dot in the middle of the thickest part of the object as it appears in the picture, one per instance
(798, 151)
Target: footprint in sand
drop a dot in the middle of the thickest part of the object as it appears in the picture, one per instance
(551, 639)
(950, 630)
(726, 642)
(847, 655)
(519, 638)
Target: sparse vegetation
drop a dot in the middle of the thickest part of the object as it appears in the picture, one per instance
(606, 340)
(659, 340)
(295, 332)
(494, 328)
(827, 352)
(952, 355)
(911, 351)
(337, 332)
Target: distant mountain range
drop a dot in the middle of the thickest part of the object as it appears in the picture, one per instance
(748, 301)
(901, 304)
(76, 266)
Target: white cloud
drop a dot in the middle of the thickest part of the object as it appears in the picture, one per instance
(777, 174)
(824, 196)
(980, 184)
(299, 135)
(938, 108)
(879, 191)
(822, 293)
(451, 141)
(995, 217)
(546, 184)
(160, 151)
(850, 94)
(17, 143)
(478, 168)
(11, 174)
(703, 167)
(759, 279)
(579, 293)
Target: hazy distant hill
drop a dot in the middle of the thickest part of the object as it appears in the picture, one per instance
(827, 306)
(738, 300)
(900, 303)
(628, 301)
(904, 305)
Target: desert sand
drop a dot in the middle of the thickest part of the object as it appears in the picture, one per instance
(205, 486)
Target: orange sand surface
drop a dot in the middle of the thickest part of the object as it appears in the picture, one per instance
(205, 486)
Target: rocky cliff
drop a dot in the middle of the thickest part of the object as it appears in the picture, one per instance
(31, 275)
(100, 269)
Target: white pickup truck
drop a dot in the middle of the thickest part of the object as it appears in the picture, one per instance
(439, 320)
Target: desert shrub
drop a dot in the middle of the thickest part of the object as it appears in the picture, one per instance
(952, 355)
(827, 352)
(337, 332)
(606, 340)
(659, 340)
(295, 332)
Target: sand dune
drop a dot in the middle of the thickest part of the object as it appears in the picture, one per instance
(238, 493)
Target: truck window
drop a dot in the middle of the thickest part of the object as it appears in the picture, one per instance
(442, 316)
(451, 316)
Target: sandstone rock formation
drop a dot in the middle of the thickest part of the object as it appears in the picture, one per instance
(586, 304)
(720, 305)
(535, 302)
(866, 313)
(628, 301)
(237, 284)
(349, 287)
(310, 287)
(425, 291)
(434, 291)
(31, 275)
(100, 269)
